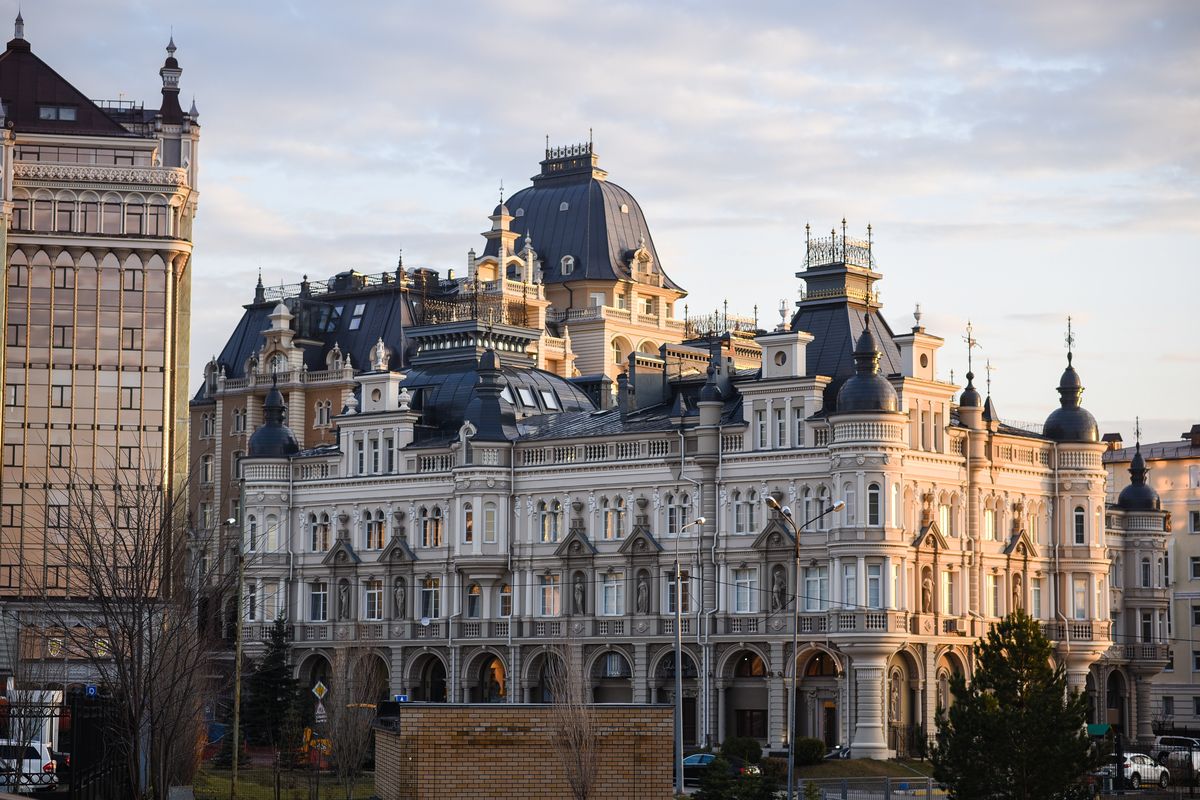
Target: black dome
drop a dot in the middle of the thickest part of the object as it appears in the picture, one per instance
(970, 397)
(501, 210)
(273, 439)
(1138, 496)
(866, 389)
(1072, 422)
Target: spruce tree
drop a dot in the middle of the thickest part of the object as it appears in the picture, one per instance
(270, 691)
(1014, 733)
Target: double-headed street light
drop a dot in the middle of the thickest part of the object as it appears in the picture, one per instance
(786, 513)
(679, 659)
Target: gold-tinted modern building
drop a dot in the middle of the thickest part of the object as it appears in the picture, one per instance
(97, 200)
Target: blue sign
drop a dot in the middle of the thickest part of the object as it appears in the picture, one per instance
(92, 691)
(401, 698)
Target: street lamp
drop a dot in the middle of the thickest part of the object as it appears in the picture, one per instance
(679, 659)
(786, 513)
(237, 663)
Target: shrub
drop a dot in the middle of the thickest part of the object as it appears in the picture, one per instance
(742, 747)
(809, 751)
(775, 769)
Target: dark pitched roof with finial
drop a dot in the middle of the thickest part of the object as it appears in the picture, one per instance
(593, 229)
(27, 83)
(274, 439)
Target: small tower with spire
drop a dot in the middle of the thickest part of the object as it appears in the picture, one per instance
(19, 26)
(170, 111)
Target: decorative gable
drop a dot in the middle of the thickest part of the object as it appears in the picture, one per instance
(775, 536)
(1021, 546)
(931, 537)
(341, 555)
(397, 552)
(576, 545)
(640, 543)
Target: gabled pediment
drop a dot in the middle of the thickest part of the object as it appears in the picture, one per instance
(775, 536)
(1021, 545)
(397, 551)
(576, 545)
(341, 555)
(640, 542)
(931, 537)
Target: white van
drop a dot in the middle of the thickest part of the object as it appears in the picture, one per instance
(38, 768)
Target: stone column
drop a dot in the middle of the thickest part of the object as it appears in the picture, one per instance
(640, 689)
(1142, 713)
(777, 702)
(719, 685)
(869, 665)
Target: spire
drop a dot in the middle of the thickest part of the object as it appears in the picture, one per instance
(170, 73)
(260, 295)
(1070, 339)
(193, 112)
(1137, 467)
(19, 26)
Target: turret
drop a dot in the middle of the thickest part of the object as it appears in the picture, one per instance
(170, 111)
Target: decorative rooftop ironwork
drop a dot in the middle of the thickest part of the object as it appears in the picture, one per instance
(837, 248)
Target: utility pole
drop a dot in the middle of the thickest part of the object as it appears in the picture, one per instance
(237, 666)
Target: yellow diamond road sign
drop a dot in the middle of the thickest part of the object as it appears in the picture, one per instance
(320, 690)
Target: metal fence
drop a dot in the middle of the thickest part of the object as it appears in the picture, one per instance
(258, 781)
(875, 788)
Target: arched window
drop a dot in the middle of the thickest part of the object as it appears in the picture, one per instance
(567, 265)
(750, 665)
(550, 515)
(474, 601)
(318, 529)
(505, 600)
(239, 421)
(322, 413)
(989, 524)
(430, 525)
(614, 517)
(678, 506)
(1146, 573)
(251, 534)
(373, 525)
(745, 511)
(822, 507)
(616, 352)
(944, 519)
(468, 523)
(806, 503)
(874, 511)
(1080, 525)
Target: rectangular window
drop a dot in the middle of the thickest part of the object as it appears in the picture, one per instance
(989, 524)
(129, 457)
(1080, 594)
(686, 586)
(16, 335)
(1080, 526)
(1194, 521)
(131, 398)
(489, 524)
(251, 601)
(373, 600)
(360, 456)
(318, 601)
(375, 456)
(14, 394)
(134, 214)
(64, 219)
(760, 425)
(57, 113)
(468, 524)
(60, 455)
(1196, 615)
(431, 598)
(745, 591)
(89, 214)
(924, 430)
(1036, 603)
(550, 596)
(944, 519)
(798, 427)
(389, 449)
(1194, 563)
(949, 593)
(1147, 627)
(816, 589)
(875, 585)
(60, 395)
(612, 595)
(780, 428)
(131, 338)
(62, 336)
(14, 455)
(1168, 706)
(849, 585)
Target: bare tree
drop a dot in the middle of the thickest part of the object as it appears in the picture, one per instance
(135, 574)
(574, 722)
(357, 683)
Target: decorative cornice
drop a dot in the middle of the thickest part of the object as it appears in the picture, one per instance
(150, 176)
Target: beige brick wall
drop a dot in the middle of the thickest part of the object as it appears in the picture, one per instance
(508, 750)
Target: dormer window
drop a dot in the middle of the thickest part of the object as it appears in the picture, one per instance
(564, 206)
(526, 397)
(356, 319)
(550, 400)
(57, 113)
(624, 208)
(520, 212)
(567, 265)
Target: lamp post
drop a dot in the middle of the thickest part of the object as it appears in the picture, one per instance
(237, 664)
(679, 659)
(786, 513)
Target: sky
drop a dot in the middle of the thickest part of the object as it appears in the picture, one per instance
(1019, 162)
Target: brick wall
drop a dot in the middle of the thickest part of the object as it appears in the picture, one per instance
(482, 751)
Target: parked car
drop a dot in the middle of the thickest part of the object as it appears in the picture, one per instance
(1139, 770)
(1176, 751)
(695, 764)
(838, 752)
(38, 770)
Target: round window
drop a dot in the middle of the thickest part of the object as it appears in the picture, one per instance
(780, 358)
(924, 360)
(376, 394)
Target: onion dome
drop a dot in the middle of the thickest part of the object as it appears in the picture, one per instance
(1138, 495)
(970, 396)
(273, 439)
(1071, 422)
(866, 389)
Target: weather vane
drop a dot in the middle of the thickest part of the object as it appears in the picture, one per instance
(987, 365)
(1070, 339)
(1137, 430)
(972, 343)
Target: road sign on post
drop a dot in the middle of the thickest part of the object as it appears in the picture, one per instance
(321, 715)
(320, 690)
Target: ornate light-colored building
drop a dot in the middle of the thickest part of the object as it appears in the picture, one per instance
(97, 201)
(1166, 476)
(471, 510)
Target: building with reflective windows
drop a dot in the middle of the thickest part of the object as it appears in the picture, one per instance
(476, 471)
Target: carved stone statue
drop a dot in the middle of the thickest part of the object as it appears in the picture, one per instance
(778, 589)
(643, 595)
(1018, 595)
(579, 594)
(399, 599)
(894, 699)
(926, 595)
(343, 600)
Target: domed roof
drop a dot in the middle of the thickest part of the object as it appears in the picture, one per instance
(866, 390)
(970, 397)
(501, 209)
(273, 439)
(710, 392)
(1138, 495)
(1071, 422)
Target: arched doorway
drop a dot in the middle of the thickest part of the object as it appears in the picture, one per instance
(542, 676)
(902, 705)
(491, 684)
(664, 690)
(612, 678)
(1116, 701)
(817, 698)
(746, 697)
(429, 679)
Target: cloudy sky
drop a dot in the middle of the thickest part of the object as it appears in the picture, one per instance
(1019, 162)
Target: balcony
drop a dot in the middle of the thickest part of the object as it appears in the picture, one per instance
(1078, 631)
(1140, 652)
(95, 173)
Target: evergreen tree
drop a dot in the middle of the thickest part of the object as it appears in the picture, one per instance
(270, 691)
(1014, 733)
